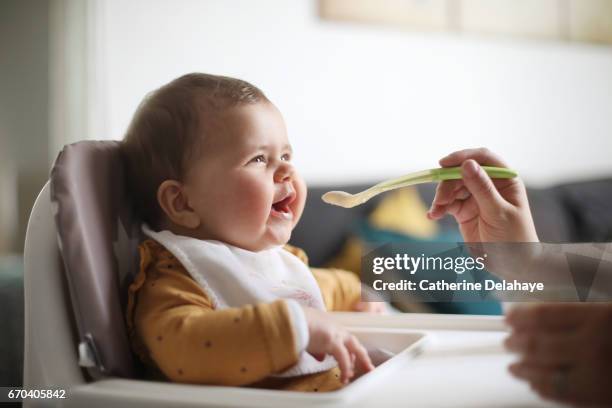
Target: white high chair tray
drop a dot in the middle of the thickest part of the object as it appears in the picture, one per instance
(462, 363)
(404, 344)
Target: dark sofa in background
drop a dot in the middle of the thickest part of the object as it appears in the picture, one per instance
(572, 212)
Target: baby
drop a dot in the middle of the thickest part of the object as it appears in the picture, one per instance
(220, 297)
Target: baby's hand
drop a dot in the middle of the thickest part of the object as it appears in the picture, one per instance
(326, 337)
(371, 307)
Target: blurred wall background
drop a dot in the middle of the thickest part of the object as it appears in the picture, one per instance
(364, 101)
(361, 102)
(24, 113)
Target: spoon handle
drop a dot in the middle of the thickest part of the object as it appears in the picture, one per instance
(454, 173)
(347, 200)
(441, 174)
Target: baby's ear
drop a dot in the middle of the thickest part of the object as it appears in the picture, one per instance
(173, 201)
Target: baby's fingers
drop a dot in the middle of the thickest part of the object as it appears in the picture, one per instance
(344, 360)
(361, 354)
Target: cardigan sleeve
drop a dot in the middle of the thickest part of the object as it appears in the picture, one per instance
(340, 289)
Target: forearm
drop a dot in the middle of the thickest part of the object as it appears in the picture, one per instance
(562, 268)
(341, 290)
(234, 346)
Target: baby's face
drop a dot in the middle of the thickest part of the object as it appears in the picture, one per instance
(244, 187)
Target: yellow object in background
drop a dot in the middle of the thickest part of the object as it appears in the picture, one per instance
(402, 211)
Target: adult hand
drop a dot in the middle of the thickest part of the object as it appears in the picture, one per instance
(565, 350)
(486, 210)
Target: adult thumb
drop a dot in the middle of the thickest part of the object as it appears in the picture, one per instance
(480, 185)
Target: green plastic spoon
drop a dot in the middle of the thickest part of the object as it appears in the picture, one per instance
(347, 200)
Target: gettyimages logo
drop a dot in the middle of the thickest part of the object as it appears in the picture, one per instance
(412, 264)
(456, 271)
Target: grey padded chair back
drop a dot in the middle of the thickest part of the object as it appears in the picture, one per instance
(98, 239)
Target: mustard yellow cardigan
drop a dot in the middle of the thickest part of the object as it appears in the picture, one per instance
(180, 337)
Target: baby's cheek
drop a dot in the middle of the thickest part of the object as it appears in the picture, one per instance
(253, 201)
(297, 206)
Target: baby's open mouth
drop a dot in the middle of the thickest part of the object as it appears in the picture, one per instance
(281, 208)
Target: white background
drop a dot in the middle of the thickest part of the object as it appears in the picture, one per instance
(363, 102)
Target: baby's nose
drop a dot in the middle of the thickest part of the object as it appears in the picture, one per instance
(283, 173)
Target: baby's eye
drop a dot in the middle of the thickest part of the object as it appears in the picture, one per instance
(286, 157)
(258, 159)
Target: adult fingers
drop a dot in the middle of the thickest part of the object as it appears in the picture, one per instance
(480, 185)
(550, 350)
(445, 190)
(465, 211)
(450, 200)
(546, 317)
(462, 193)
(553, 383)
(482, 155)
(456, 206)
(437, 211)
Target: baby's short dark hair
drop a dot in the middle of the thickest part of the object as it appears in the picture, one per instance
(167, 130)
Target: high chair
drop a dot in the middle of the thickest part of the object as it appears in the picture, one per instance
(80, 255)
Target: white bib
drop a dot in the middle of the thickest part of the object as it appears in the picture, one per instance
(235, 277)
